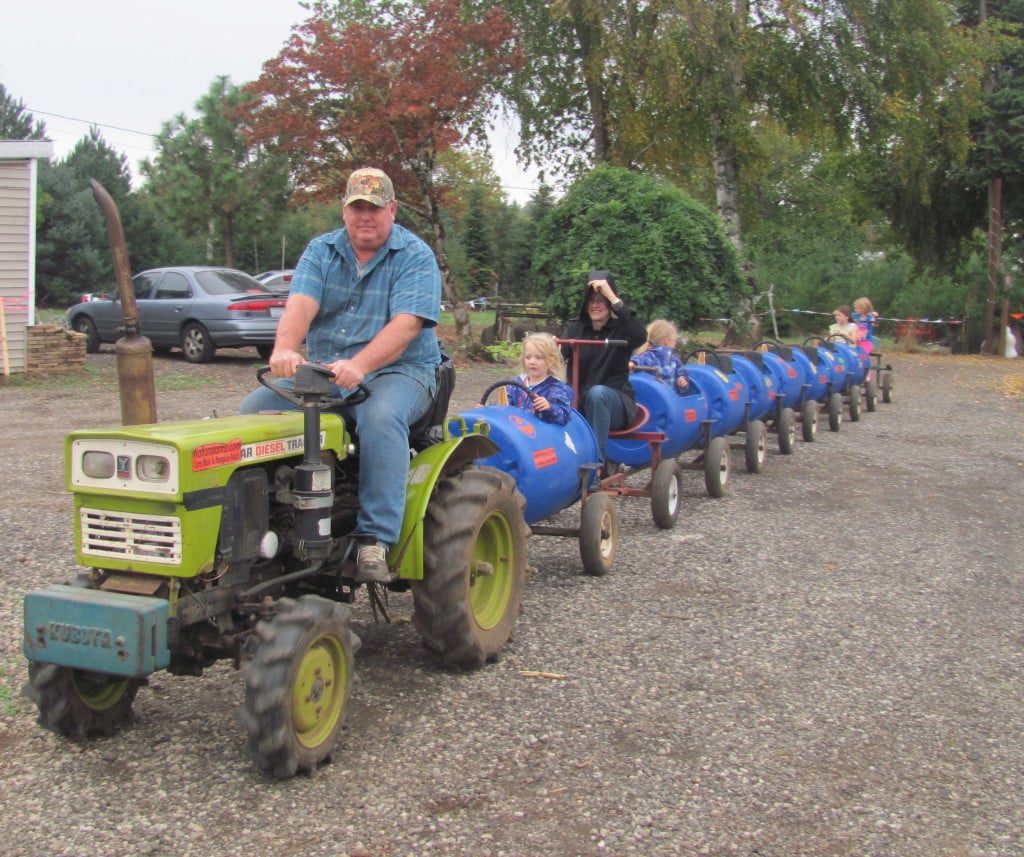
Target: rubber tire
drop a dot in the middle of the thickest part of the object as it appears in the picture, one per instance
(755, 449)
(84, 324)
(835, 411)
(78, 703)
(196, 344)
(264, 351)
(887, 392)
(809, 421)
(599, 534)
(871, 395)
(717, 467)
(292, 714)
(855, 393)
(474, 517)
(785, 427)
(666, 494)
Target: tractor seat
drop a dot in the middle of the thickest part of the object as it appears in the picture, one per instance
(641, 417)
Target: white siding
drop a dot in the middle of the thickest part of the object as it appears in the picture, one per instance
(17, 242)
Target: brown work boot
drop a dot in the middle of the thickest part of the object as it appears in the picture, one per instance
(371, 564)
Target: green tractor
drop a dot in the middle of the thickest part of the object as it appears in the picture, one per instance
(230, 538)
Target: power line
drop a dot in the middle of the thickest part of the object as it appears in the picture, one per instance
(88, 122)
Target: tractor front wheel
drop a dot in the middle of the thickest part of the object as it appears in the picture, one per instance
(79, 703)
(297, 685)
(474, 567)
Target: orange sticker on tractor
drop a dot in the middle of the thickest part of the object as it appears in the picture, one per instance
(216, 454)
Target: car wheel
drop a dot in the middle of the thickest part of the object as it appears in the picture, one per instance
(83, 324)
(196, 344)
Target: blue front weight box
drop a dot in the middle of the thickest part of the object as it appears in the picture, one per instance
(89, 629)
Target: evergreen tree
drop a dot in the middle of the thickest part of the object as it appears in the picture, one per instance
(16, 123)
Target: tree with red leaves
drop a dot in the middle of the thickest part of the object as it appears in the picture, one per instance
(391, 85)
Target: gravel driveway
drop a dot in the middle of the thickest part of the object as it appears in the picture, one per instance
(826, 661)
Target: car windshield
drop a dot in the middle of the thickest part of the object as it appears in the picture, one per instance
(229, 283)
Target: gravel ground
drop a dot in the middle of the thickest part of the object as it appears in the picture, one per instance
(826, 661)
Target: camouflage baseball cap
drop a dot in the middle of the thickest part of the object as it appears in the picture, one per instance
(370, 184)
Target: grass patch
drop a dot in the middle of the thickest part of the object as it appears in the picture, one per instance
(477, 320)
(8, 694)
(50, 316)
(179, 381)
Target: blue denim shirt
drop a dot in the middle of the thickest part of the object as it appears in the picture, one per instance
(402, 277)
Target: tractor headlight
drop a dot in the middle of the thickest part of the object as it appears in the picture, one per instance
(98, 465)
(153, 468)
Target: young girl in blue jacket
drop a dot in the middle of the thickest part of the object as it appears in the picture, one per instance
(544, 374)
(660, 352)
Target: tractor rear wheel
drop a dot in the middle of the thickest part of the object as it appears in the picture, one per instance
(297, 685)
(474, 567)
(79, 703)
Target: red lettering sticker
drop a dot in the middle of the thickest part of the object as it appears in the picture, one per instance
(545, 457)
(216, 454)
(691, 415)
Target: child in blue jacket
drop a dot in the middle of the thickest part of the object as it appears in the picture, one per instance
(544, 373)
(660, 352)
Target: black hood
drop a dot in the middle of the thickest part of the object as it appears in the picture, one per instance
(593, 275)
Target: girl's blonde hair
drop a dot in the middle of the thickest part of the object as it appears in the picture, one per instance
(657, 332)
(863, 306)
(552, 354)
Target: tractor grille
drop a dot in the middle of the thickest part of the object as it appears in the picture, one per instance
(126, 536)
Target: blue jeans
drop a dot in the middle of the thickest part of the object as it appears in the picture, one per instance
(605, 411)
(395, 402)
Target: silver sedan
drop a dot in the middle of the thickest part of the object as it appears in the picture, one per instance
(197, 309)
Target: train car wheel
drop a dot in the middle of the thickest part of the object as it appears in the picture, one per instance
(871, 395)
(786, 429)
(855, 403)
(599, 534)
(835, 411)
(717, 467)
(666, 493)
(756, 449)
(809, 421)
(887, 394)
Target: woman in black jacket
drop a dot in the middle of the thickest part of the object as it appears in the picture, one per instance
(606, 397)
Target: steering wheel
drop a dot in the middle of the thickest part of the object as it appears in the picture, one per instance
(510, 383)
(710, 356)
(361, 394)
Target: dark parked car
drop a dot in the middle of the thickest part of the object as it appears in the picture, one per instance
(196, 309)
(279, 281)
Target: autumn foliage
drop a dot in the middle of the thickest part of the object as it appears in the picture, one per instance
(393, 91)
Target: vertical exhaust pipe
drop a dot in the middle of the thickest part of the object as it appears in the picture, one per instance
(134, 351)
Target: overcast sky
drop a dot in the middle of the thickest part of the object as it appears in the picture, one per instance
(127, 66)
